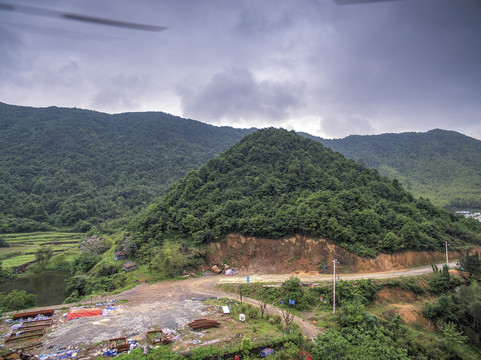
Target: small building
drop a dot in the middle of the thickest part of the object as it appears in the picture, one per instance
(120, 255)
(129, 266)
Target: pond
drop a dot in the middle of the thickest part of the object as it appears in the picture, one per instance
(48, 286)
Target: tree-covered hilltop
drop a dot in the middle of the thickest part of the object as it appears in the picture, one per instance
(75, 168)
(444, 166)
(275, 183)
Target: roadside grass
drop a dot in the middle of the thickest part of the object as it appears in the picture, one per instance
(24, 245)
(229, 336)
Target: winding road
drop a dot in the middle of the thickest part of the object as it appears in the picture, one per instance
(206, 286)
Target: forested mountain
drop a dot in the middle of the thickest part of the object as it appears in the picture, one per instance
(275, 183)
(444, 166)
(77, 168)
(74, 168)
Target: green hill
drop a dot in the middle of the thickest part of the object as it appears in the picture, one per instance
(275, 183)
(444, 166)
(73, 168)
(76, 169)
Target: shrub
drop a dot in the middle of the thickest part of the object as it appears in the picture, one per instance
(3, 242)
(246, 344)
(17, 300)
(107, 269)
(77, 283)
(83, 262)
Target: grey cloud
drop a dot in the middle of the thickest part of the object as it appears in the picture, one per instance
(343, 126)
(388, 66)
(121, 92)
(236, 95)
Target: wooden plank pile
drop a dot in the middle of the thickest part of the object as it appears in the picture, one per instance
(32, 314)
(119, 344)
(30, 330)
(201, 324)
(158, 336)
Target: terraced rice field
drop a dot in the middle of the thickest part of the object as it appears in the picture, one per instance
(23, 246)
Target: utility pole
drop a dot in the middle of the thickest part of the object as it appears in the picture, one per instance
(334, 288)
(447, 259)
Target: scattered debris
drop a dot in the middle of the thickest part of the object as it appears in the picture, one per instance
(215, 269)
(62, 354)
(32, 314)
(267, 351)
(203, 324)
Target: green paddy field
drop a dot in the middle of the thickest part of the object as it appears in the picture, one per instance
(23, 246)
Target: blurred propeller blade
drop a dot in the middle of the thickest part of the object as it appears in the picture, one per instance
(350, 2)
(32, 10)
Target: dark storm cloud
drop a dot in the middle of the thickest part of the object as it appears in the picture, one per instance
(411, 67)
(310, 65)
(237, 96)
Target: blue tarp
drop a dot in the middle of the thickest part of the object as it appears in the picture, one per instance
(267, 351)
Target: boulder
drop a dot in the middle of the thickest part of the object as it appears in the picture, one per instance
(215, 269)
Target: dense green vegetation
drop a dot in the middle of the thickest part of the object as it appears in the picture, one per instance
(79, 169)
(443, 166)
(275, 183)
(361, 329)
(75, 169)
(16, 300)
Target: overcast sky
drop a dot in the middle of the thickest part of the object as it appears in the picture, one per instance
(309, 65)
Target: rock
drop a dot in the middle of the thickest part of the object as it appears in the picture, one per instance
(215, 269)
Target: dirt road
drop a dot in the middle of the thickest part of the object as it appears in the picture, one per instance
(170, 304)
(316, 276)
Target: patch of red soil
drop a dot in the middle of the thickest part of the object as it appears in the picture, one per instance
(303, 254)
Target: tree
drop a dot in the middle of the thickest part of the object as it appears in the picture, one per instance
(471, 264)
(287, 316)
(3, 242)
(43, 255)
(452, 337)
(83, 262)
(169, 261)
(95, 244)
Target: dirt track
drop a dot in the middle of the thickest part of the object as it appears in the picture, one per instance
(169, 304)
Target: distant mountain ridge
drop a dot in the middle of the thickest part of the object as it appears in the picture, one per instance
(444, 166)
(78, 168)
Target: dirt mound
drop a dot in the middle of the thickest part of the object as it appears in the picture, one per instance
(303, 254)
(410, 315)
(394, 295)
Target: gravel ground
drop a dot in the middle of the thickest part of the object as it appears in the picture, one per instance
(132, 321)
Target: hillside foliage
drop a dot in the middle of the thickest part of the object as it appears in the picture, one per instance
(444, 166)
(274, 183)
(72, 168)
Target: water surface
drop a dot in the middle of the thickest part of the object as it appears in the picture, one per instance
(48, 286)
